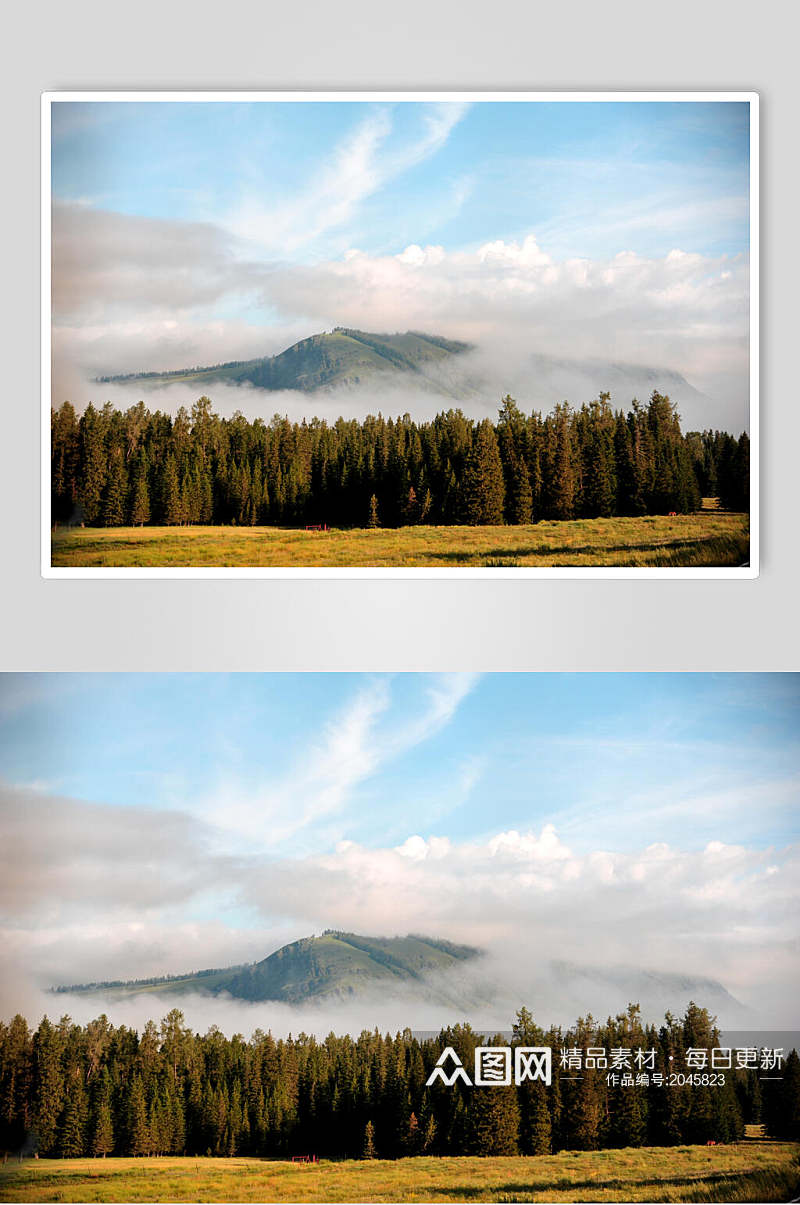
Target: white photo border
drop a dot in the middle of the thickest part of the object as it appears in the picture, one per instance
(48, 570)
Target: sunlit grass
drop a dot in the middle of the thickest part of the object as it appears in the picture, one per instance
(708, 538)
(742, 1172)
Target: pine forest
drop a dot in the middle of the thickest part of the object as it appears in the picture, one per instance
(117, 468)
(68, 1090)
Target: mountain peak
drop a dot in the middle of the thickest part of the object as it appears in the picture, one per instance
(343, 356)
(334, 964)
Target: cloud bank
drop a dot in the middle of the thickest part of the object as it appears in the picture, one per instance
(134, 293)
(90, 893)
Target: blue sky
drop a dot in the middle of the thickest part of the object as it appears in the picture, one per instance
(678, 758)
(157, 823)
(590, 179)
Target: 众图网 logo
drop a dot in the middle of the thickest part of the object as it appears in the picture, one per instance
(495, 1066)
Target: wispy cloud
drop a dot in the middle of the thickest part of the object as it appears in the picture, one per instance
(364, 163)
(354, 746)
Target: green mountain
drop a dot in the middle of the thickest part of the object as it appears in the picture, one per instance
(338, 967)
(333, 965)
(336, 358)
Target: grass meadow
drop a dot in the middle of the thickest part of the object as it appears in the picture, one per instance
(746, 1171)
(708, 538)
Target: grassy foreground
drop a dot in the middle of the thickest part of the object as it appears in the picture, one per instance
(709, 538)
(742, 1172)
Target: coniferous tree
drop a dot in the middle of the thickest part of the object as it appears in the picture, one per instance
(116, 491)
(559, 481)
(728, 1124)
(140, 492)
(170, 492)
(411, 507)
(782, 1102)
(103, 1135)
(668, 1110)
(72, 1129)
(599, 469)
(630, 1122)
(535, 1123)
(139, 1136)
(582, 1098)
(535, 1127)
(624, 466)
(16, 1083)
(483, 492)
(65, 452)
(368, 1150)
(413, 1139)
(493, 1127)
(48, 1086)
(733, 473)
(101, 1122)
(521, 508)
(749, 1097)
(93, 461)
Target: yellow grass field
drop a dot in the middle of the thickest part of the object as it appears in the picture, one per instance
(746, 1171)
(708, 538)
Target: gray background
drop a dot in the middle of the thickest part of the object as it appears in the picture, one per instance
(390, 624)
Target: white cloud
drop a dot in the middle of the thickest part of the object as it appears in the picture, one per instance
(528, 254)
(64, 855)
(720, 910)
(417, 848)
(414, 255)
(519, 283)
(546, 847)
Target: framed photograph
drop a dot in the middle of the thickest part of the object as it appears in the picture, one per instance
(400, 334)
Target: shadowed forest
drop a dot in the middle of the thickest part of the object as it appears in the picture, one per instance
(112, 468)
(69, 1091)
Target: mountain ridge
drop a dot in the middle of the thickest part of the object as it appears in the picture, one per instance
(341, 357)
(338, 968)
(336, 963)
(340, 366)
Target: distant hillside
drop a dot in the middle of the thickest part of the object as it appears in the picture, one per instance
(551, 379)
(333, 965)
(340, 967)
(336, 358)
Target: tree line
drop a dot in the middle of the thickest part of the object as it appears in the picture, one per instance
(134, 467)
(68, 1090)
